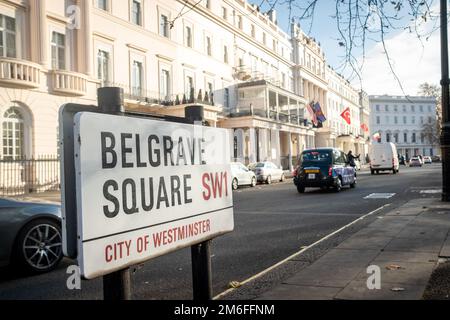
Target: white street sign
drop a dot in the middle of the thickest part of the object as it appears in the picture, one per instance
(146, 188)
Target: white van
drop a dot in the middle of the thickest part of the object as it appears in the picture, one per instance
(384, 157)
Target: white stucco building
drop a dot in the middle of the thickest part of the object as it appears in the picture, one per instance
(400, 120)
(250, 76)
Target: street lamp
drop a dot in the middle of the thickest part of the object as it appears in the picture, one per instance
(445, 133)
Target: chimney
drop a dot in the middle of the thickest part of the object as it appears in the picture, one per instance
(273, 16)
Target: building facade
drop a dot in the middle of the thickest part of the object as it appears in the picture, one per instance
(404, 121)
(250, 76)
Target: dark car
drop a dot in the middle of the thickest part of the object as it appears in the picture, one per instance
(324, 168)
(30, 235)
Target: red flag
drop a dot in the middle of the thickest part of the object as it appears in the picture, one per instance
(346, 115)
(365, 127)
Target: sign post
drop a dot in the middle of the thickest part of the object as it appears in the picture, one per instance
(200, 253)
(116, 285)
(144, 186)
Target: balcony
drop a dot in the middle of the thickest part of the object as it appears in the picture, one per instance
(68, 83)
(19, 73)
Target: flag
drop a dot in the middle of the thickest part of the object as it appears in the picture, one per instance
(346, 115)
(376, 136)
(312, 113)
(365, 127)
(319, 113)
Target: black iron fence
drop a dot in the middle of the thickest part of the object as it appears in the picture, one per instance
(25, 176)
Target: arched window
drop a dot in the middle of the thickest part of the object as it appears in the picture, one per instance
(13, 134)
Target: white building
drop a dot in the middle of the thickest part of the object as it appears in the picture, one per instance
(401, 119)
(226, 55)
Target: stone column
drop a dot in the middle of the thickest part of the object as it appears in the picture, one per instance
(84, 39)
(39, 43)
(253, 147)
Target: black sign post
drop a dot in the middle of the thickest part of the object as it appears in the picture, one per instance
(200, 253)
(117, 285)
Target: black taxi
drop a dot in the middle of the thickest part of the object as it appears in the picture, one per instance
(324, 168)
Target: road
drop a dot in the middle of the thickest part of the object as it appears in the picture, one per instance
(271, 223)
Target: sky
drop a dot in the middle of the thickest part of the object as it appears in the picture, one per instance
(413, 61)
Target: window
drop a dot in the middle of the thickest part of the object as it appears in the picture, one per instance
(163, 26)
(164, 84)
(274, 45)
(378, 119)
(7, 37)
(188, 36)
(136, 12)
(429, 108)
(208, 45)
(421, 120)
(413, 137)
(413, 120)
(404, 108)
(387, 108)
(225, 54)
(404, 120)
(422, 138)
(102, 4)
(264, 38)
(429, 120)
(413, 108)
(395, 108)
(137, 78)
(395, 120)
(388, 137)
(224, 13)
(209, 88)
(208, 4)
(226, 98)
(421, 108)
(405, 137)
(253, 32)
(58, 51)
(377, 108)
(13, 134)
(396, 137)
(103, 67)
(189, 86)
(387, 119)
(240, 24)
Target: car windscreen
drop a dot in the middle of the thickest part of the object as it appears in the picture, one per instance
(260, 165)
(315, 157)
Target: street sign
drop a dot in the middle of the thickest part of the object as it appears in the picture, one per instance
(145, 188)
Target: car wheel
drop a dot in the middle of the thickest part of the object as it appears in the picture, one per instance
(38, 246)
(394, 171)
(338, 185)
(253, 182)
(283, 178)
(300, 189)
(372, 172)
(353, 185)
(269, 180)
(235, 184)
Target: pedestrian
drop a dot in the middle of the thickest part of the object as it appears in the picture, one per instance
(351, 158)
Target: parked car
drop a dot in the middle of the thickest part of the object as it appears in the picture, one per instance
(324, 168)
(427, 160)
(436, 158)
(268, 172)
(415, 162)
(384, 157)
(241, 176)
(30, 235)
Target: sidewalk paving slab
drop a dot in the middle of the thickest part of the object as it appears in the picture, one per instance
(357, 290)
(416, 244)
(413, 273)
(295, 292)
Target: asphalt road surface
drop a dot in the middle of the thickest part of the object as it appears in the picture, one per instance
(272, 222)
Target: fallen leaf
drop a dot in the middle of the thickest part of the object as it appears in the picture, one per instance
(234, 284)
(394, 267)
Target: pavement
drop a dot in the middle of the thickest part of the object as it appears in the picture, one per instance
(407, 244)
